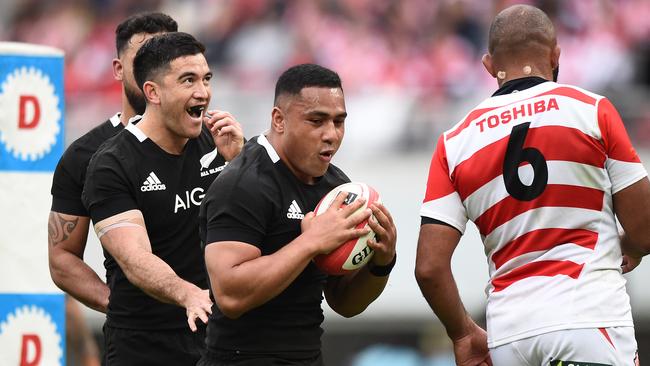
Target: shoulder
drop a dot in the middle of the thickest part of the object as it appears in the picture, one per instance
(115, 150)
(80, 150)
(91, 140)
(250, 176)
(577, 93)
(251, 166)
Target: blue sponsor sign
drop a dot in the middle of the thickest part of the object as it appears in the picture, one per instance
(33, 107)
(32, 329)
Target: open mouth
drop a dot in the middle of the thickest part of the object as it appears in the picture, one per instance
(195, 111)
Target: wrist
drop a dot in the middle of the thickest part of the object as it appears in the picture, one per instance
(382, 270)
(461, 331)
(185, 294)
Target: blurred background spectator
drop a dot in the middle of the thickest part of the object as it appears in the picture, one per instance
(410, 69)
(426, 51)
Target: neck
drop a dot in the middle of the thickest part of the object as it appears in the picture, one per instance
(127, 111)
(521, 71)
(276, 141)
(153, 126)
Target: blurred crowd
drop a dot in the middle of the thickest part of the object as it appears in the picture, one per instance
(428, 50)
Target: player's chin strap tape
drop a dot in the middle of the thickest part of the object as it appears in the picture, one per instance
(383, 271)
(108, 228)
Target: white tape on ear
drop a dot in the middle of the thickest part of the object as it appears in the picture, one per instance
(108, 228)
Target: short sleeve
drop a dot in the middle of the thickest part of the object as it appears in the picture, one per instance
(623, 164)
(234, 213)
(107, 190)
(441, 200)
(67, 187)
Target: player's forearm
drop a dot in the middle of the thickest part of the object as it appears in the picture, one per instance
(440, 291)
(351, 294)
(67, 236)
(155, 277)
(75, 277)
(130, 247)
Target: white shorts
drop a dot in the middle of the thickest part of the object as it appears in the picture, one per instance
(615, 346)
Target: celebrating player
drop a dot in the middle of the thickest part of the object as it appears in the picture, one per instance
(143, 189)
(259, 258)
(543, 170)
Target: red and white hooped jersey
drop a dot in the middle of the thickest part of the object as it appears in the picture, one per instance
(535, 170)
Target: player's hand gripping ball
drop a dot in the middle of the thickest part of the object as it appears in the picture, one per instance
(355, 253)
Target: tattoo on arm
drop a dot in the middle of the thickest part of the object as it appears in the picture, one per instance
(60, 228)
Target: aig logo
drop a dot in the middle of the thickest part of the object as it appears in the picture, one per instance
(191, 198)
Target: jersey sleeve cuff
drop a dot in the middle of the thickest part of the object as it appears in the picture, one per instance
(248, 237)
(69, 206)
(108, 208)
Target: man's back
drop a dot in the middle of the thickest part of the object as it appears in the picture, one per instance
(535, 170)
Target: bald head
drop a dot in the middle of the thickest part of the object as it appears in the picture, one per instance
(522, 42)
(521, 31)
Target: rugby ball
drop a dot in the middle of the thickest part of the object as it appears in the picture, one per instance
(355, 253)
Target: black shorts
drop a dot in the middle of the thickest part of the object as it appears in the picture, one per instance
(125, 347)
(232, 358)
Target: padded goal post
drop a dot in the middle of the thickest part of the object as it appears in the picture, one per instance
(32, 311)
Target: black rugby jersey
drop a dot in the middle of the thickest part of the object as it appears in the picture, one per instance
(257, 200)
(131, 172)
(70, 172)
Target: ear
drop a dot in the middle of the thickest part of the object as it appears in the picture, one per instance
(489, 66)
(118, 69)
(277, 120)
(151, 92)
(555, 57)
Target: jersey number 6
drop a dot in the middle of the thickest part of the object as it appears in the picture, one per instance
(516, 153)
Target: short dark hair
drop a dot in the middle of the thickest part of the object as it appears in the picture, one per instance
(159, 51)
(294, 79)
(149, 22)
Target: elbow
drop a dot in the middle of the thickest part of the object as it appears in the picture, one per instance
(57, 278)
(422, 274)
(348, 309)
(427, 274)
(349, 313)
(57, 272)
(230, 307)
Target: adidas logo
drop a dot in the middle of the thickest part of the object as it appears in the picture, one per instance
(294, 211)
(152, 184)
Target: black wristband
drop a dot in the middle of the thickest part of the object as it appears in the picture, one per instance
(383, 271)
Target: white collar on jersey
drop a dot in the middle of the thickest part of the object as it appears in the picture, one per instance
(134, 119)
(269, 148)
(135, 131)
(115, 120)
